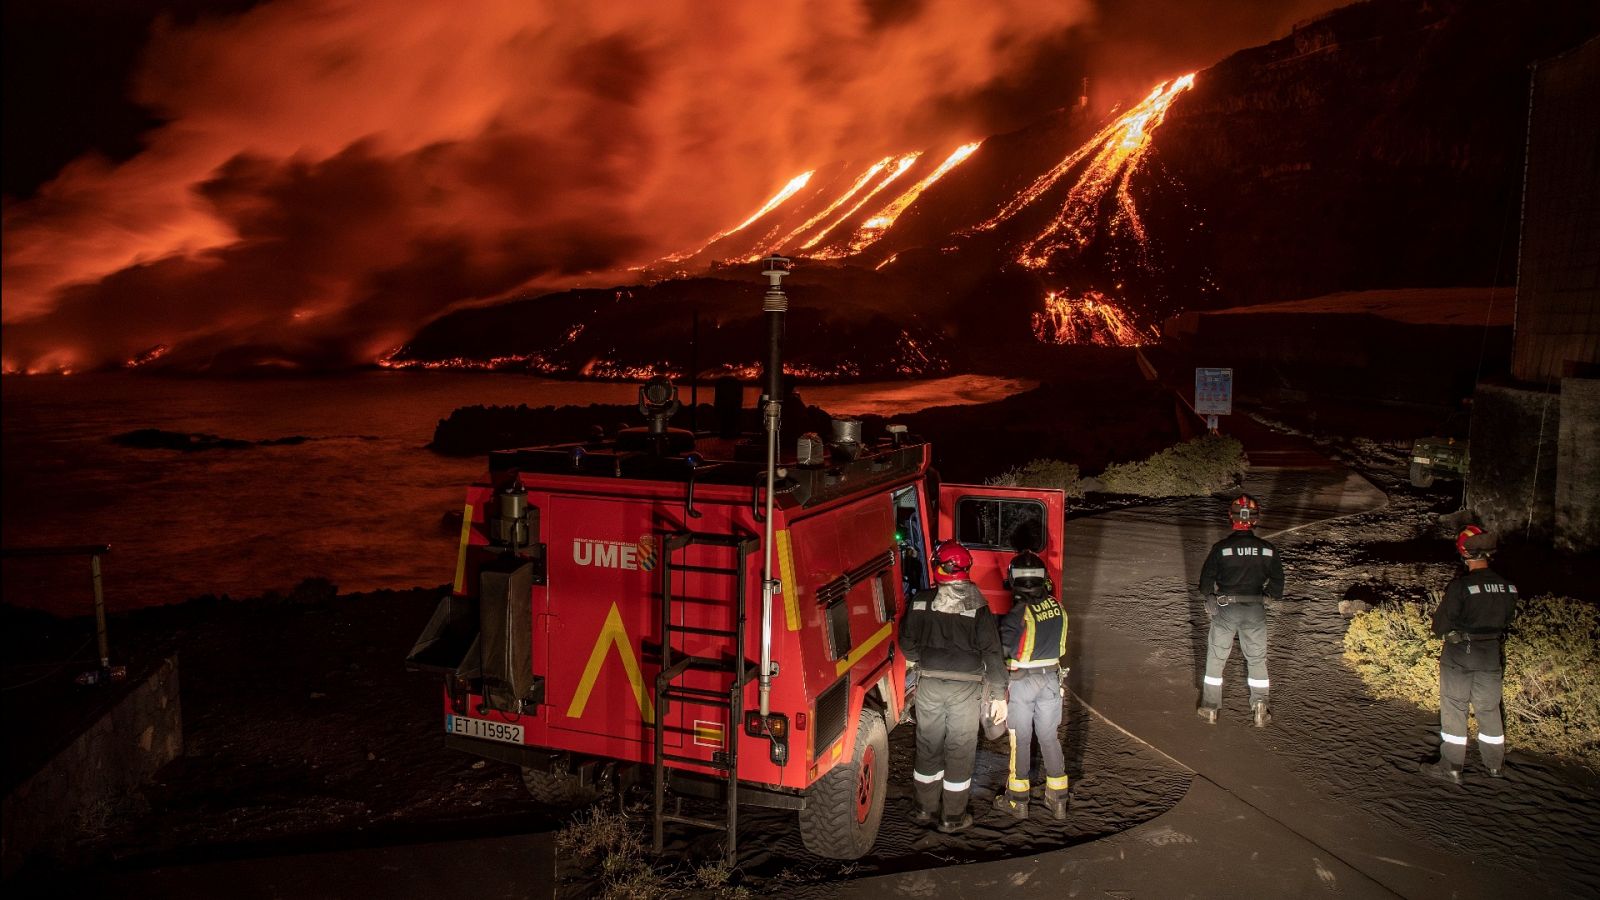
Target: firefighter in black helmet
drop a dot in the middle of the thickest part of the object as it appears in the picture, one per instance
(1241, 573)
(1034, 635)
(1472, 618)
(950, 634)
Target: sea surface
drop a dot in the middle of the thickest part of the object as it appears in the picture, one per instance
(360, 502)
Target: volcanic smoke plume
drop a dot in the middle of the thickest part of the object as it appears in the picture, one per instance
(330, 175)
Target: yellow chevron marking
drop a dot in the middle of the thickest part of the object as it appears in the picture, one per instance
(791, 588)
(612, 633)
(461, 553)
(844, 665)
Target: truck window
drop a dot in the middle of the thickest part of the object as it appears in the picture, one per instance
(993, 524)
(909, 541)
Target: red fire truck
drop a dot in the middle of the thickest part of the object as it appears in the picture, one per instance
(713, 609)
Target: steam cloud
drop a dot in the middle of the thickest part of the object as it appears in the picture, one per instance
(333, 174)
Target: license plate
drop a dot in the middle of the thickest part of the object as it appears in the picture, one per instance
(1422, 459)
(504, 732)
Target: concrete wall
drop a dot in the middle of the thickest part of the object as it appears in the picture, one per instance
(1511, 479)
(1577, 498)
(97, 771)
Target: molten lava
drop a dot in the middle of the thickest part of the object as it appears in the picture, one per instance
(789, 190)
(863, 181)
(873, 228)
(900, 167)
(1114, 154)
(1089, 319)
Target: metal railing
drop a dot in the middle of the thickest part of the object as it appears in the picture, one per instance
(94, 552)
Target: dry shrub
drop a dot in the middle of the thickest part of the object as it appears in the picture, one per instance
(1041, 473)
(1204, 465)
(609, 846)
(1552, 676)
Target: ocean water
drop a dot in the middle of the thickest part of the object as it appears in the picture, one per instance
(361, 502)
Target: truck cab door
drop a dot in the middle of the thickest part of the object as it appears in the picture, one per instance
(995, 523)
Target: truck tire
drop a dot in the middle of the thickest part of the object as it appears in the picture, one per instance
(1421, 475)
(557, 789)
(845, 806)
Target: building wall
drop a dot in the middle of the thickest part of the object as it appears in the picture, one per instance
(1577, 498)
(1511, 477)
(1558, 271)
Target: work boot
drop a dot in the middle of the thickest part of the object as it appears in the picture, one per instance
(1263, 715)
(1056, 802)
(1441, 770)
(1011, 806)
(1209, 713)
(1497, 773)
(922, 817)
(951, 826)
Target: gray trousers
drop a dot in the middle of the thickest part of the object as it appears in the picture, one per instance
(1033, 708)
(1471, 674)
(947, 743)
(1249, 622)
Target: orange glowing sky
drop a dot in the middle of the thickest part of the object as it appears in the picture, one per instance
(331, 174)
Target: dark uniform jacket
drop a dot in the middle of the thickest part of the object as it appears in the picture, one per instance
(1244, 568)
(962, 642)
(1034, 633)
(1478, 606)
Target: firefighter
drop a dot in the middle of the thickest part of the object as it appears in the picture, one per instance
(1034, 635)
(951, 636)
(1240, 575)
(1472, 618)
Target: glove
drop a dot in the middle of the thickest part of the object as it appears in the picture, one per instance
(1454, 637)
(1211, 606)
(997, 709)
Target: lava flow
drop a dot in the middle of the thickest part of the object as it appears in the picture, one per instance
(1089, 319)
(1114, 155)
(863, 181)
(900, 167)
(873, 228)
(789, 190)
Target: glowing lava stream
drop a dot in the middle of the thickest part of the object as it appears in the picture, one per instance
(789, 190)
(866, 177)
(873, 228)
(900, 167)
(1118, 150)
(1090, 319)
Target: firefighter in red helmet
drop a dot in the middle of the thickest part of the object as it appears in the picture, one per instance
(1034, 634)
(951, 636)
(1472, 617)
(1239, 576)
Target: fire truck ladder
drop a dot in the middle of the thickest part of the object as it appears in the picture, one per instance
(741, 670)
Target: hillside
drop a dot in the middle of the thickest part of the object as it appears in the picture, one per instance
(1376, 147)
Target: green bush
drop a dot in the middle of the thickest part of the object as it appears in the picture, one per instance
(1041, 473)
(1552, 677)
(1204, 465)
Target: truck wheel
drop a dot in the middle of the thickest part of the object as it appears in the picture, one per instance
(1421, 475)
(557, 789)
(844, 807)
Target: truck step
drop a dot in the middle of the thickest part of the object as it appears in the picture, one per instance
(690, 820)
(709, 632)
(713, 763)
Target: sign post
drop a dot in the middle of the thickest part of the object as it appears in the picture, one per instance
(1213, 395)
